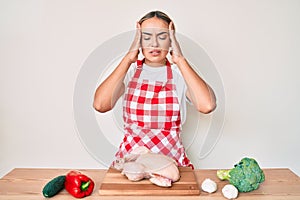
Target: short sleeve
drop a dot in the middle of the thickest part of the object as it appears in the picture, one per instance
(181, 89)
(129, 74)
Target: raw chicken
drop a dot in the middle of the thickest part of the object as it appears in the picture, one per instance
(161, 170)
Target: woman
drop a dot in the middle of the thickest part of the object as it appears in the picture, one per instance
(155, 92)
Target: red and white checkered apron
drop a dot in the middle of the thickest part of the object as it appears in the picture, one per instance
(151, 113)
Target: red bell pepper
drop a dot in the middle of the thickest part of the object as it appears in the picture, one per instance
(78, 185)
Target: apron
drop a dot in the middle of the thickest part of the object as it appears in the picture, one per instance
(151, 114)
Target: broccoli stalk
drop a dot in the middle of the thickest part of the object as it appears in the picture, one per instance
(223, 174)
(245, 176)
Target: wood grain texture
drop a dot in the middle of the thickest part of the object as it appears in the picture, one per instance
(27, 184)
(116, 184)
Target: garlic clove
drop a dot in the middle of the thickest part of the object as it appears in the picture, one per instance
(230, 192)
(209, 186)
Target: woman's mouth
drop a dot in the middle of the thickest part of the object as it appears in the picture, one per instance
(155, 52)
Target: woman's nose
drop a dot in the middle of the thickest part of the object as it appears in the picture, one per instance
(154, 42)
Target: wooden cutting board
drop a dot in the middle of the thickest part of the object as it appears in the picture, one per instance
(114, 184)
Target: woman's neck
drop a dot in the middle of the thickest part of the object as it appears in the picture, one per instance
(155, 64)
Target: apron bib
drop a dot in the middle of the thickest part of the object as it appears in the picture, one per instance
(151, 114)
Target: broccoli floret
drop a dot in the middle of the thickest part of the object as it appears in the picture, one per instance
(245, 176)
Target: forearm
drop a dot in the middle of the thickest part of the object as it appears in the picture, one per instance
(198, 91)
(112, 87)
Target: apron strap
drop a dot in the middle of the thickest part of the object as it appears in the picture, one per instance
(138, 71)
(169, 70)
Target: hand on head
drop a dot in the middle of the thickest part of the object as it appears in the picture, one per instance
(175, 47)
(136, 44)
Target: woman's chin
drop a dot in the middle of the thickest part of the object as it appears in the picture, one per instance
(155, 61)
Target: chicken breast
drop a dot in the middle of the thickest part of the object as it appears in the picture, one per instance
(141, 163)
(160, 165)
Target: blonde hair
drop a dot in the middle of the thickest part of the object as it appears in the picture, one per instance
(159, 15)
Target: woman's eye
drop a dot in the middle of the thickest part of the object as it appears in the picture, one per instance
(162, 37)
(146, 38)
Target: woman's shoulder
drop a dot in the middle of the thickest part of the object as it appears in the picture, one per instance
(176, 71)
(130, 73)
(132, 66)
(131, 69)
(175, 67)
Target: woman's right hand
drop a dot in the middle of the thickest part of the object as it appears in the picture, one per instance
(135, 46)
(110, 90)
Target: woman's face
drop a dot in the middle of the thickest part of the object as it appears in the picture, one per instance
(155, 41)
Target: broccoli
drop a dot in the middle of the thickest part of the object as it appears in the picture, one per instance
(245, 176)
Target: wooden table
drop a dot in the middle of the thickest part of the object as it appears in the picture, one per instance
(27, 184)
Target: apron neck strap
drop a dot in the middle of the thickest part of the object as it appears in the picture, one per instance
(140, 63)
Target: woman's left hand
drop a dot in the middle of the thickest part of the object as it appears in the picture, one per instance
(175, 47)
(201, 95)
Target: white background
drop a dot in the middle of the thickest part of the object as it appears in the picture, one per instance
(254, 44)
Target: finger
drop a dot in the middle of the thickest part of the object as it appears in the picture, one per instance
(171, 31)
(138, 25)
(136, 42)
(171, 27)
(138, 29)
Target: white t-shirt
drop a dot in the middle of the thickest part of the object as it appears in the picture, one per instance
(160, 74)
